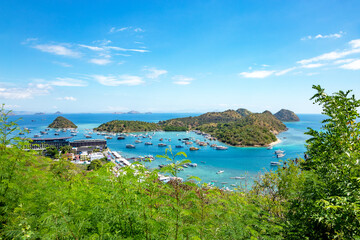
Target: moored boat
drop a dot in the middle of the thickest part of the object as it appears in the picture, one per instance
(193, 149)
(221, 148)
(148, 143)
(220, 171)
(130, 146)
(162, 145)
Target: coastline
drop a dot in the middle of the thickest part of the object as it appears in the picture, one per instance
(274, 143)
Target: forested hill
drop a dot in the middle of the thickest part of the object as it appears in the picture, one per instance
(287, 116)
(127, 126)
(61, 122)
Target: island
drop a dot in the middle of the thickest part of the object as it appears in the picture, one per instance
(58, 113)
(285, 115)
(237, 128)
(122, 126)
(61, 122)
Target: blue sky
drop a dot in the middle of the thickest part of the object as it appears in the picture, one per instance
(176, 56)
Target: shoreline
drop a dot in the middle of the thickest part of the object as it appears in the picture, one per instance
(276, 142)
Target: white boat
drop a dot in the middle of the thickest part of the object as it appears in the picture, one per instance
(269, 148)
(192, 164)
(239, 177)
(279, 151)
(280, 155)
(221, 148)
(275, 163)
(219, 172)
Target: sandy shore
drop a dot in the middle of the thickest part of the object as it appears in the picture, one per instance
(274, 143)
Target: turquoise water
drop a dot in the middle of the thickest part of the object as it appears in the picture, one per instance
(248, 162)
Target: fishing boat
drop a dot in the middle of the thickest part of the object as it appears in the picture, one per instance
(130, 146)
(148, 143)
(221, 148)
(194, 149)
(220, 171)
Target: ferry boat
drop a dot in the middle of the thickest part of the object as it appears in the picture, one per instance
(220, 171)
(130, 146)
(221, 148)
(148, 143)
(194, 149)
(162, 145)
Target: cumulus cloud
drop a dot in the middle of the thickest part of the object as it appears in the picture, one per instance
(355, 65)
(154, 73)
(118, 80)
(182, 80)
(67, 99)
(319, 36)
(100, 61)
(57, 50)
(68, 82)
(257, 74)
(32, 90)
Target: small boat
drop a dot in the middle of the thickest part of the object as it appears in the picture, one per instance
(88, 136)
(37, 136)
(279, 151)
(161, 139)
(269, 148)
(56, 134)
(219, 172)
(130, 146)
(213, 145)
(280, 155)
(221, 148)
(192, 164)
(233, 185)
(184, 166)
(194, 149)
(213, 181)
(148, 143)
(162, 145)
(239, 177)
(120, 137)
(73, 134)
(138, 141)
(21, 133)
(44, 132)
(275, 163)
(188, 143)
(179, 146)
(108, 137)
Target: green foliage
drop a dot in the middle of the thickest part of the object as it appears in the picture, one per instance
(7, 129)
(66, 149)
(127, 126)
(286, 116)
(95, 165)
(61, 122)
(52, 152)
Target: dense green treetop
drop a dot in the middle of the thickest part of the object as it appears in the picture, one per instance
(286, 116)
(243, 112)
(61, 122)
(120, 126)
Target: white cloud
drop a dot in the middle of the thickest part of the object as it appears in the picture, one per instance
(57, 50)
(67, 98)
(355, 65)
(93, 48)
(313, 65)
(319, 36)
(283, 72)
(139, 30)
(63, 64)
(344, 61)
(126, 49)
(112, 80)
(25, 93)
(355, 43)
(100, 61)
(68, 82)
(114, 29)
(182, 80)
(257, 74)
(154, 73)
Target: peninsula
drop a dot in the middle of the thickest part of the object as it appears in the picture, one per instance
(234, 127)
(61, 122)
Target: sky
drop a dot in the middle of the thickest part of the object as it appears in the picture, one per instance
(176, 56)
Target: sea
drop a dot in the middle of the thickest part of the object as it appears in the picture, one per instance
(248, 163)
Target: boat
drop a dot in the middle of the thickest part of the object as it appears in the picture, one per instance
(21, 133)
(194, 149)
(120, 137)
(239, 177)
(224, 183)
(221, 148)
(188, 143)
(162, 145)
(279, 151)
(192, 164)
(213, 145)
(233, 185)
(269, 148)
(37, 136)
(179, 146)
(73, 134)
(220, 171)
(148, 143)
(44, 132)
(108, 137)
(275, 163)
(138, 141)
(161, 139)
(184, 166)
(56, 134)
(280, 155)
(88, 136)
(130, 146)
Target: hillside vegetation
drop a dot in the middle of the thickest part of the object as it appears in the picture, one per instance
(120, 126)
(61, 122)
(286, 116)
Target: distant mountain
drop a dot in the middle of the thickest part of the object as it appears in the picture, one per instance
(39, 113)
(287, 116)
(243, 112)
(133, 112)
(61, 122)
(58, 112)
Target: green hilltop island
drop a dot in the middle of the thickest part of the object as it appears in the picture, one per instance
(240, 128)
(61, 122)
(285, 115)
